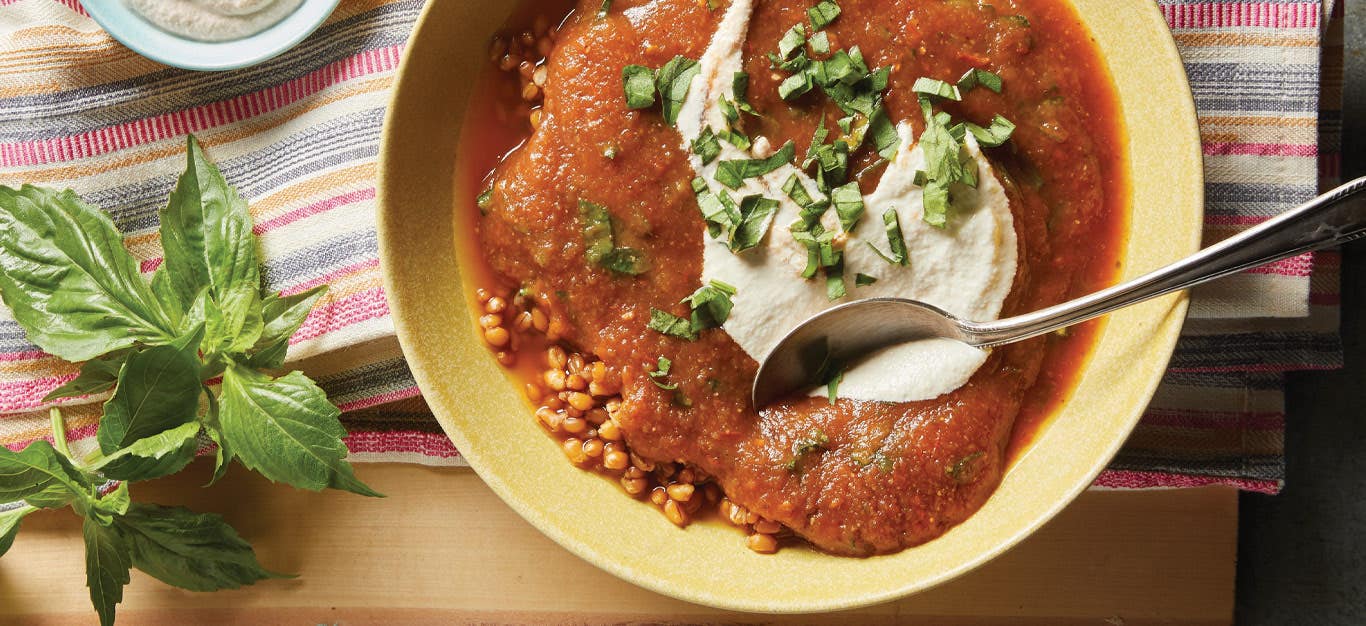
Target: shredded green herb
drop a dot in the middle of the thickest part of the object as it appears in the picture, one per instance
(823, 14)
(732, 173)
(975, 77)
(863, 280)
(599, 243)
(661, 372)
(639, 83)
(896, 242)
(711, 305)
(706, 146)
(672, 325)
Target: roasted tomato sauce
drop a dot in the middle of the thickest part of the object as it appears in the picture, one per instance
(852, 478)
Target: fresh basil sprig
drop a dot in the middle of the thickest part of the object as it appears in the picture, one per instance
(157, 346)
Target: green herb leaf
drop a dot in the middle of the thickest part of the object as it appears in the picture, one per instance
(484, 200)
(739, 86)
(282, 316)
(706, 146)
(796, 85)
(817, 140)
(639, 84)
(194, 551)
(863, 280)
(206, 234)
(629, 261)
(9, 525)
(158, 390)
(936, 200)
(599, 242)
(935, 88)
(883, 132)
(711, 305)
(815, 440)
(287, 430)
(97, 376)
(106, 568)
(68, 279)
(896, 242)
(756, 216)
(673, 82)
(823, 14)
(975, 77)
(732, 173)
(672, 325)
(994, 135)
(661, 372)
(832, 386)
(604, 8)
(792, 41)
(40, 476)
(162, 454)
(820, 43)
(848, 203)
(735, 138)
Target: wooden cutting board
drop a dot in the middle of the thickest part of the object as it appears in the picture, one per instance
(443, 549)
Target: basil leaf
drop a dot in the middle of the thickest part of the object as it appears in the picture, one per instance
(896, 242)
(796, 85)
(106, 568)
(672, 325)
(97, 376)
(158, 390)
(639, 83)
(599, 246)
(756, 216)
(735, 138)
(68, 279)
(9, 525)
(40, 476)
(194, 551)
(834, 284)
(883, 132)
(287, 430)
(108, 506)
(820, 43)
(673, 81)
(159, 455)
(817, 140)
(629, 261)
(975, 77)
(994, 135)
(213, 427)
(739, 87)
(823, 14)
(706, 146)
(863, 280)
(936, 199)
(236, 322)
(206, 233)
(797, 192)
(935, 88)
(848, 203)
(792, 41)
(485, 199)
(718, 210)
(662, 371)
(604, 8)
(282, 316)
(732, 173)
(832, 385)
(711, 305)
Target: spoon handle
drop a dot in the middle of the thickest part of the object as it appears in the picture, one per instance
(1333, 218)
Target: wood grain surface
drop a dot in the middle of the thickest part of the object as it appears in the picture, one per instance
(443, 549)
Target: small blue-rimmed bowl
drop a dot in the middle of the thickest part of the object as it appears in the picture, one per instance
(144, 38)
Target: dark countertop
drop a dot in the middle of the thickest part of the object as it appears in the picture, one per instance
(1302, 554)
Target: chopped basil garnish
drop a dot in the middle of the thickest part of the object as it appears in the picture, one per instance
(883, 132)
(848, 203)
(739, 86)
(796, 85)
(604, 8)
(994, 135)
(720, 213)
(672, 325)
(896, 242)
(732, 173)
(756, 215)
(661, 372)
(817, 139)
(639, 83)
(484, 201)
(711, 305)
(672, 81)
(822, 14)
(975, 77)
(936, 88)
(706, 146)
(863, 280)
(791, 42)
(599, 245)
(834, 282)
(820, 43)
(797, 192)
(814, 441)
(735, 138)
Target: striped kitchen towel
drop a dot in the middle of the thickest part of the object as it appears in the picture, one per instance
(299, 136)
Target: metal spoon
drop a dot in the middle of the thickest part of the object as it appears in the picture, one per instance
(846, 332)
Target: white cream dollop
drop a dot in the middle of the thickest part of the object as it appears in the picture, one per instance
(966, 268)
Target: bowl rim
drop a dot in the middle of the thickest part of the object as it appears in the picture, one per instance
(146, 39)
(1163, 341)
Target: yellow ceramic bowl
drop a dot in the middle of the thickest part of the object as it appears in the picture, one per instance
(489, 421)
